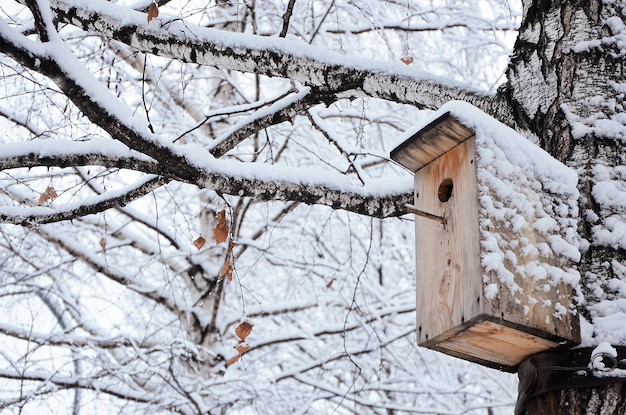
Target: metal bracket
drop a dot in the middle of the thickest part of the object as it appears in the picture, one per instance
(416, 211)
(567, 369)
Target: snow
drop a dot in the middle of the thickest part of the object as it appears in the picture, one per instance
(297, 176)
(198, 156)
(67, 148)
(491, 291)
(599, 357)
(271, 56)
(616, 41)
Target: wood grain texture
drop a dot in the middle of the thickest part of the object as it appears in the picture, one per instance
(496, 343)
(430, 142)
(449, 286)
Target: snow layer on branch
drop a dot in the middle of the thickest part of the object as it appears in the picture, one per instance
(267, 182)
(298, 176)
(66, 148)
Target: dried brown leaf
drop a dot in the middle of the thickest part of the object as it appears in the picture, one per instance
(227, 270)
(407, 60)
(199, 242)
(48, 194)
(330, 283)
(243, 330)
(103, 243)
(242, 347)
(232, 360)
(153, 12)
(221, 229)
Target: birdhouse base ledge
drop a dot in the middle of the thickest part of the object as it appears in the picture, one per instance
(494, 342)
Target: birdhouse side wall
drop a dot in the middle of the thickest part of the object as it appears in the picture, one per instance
(527, 232)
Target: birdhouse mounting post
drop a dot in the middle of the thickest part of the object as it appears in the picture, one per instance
(416, 211)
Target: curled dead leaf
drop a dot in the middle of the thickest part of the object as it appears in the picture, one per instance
(199, 242)
(153, 12)
(221, 229)
(243, 330)
(103, 243)
(48, 194)
(407, 60)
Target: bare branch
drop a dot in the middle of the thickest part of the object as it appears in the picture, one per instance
(437, 26)
(99, 265)
(287, 18)
(282, 111)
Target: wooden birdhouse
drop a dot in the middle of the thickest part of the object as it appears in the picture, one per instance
(496, 241)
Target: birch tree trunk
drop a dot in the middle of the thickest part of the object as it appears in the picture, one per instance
(566, 86)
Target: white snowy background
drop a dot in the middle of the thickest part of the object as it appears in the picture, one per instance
(123, 308)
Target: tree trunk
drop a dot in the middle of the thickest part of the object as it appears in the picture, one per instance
(601, 400)
(567, 86)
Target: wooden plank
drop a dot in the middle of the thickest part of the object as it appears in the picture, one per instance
(430, 142)
(449, 284)
(494, 342)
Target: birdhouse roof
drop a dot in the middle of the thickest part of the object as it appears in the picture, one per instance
(424, 144)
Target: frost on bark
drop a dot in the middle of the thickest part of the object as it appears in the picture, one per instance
(566, 87)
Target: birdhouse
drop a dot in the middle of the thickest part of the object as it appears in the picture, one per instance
(496, 240)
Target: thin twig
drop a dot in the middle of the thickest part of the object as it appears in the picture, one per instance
(286, 18)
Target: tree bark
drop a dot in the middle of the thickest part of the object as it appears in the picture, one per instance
(604, 400)
(565, 81)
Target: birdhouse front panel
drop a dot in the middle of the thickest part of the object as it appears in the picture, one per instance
(496, 240)
(449, 253)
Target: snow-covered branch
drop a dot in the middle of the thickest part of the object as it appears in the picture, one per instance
(283, 110)
(196, 165)
(64, 382)
(65, 153)
(30, 216)
(66, 339)
(275, 57)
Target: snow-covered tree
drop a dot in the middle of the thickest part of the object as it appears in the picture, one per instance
(200, 216)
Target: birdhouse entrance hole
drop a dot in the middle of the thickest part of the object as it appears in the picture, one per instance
(445, 190)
